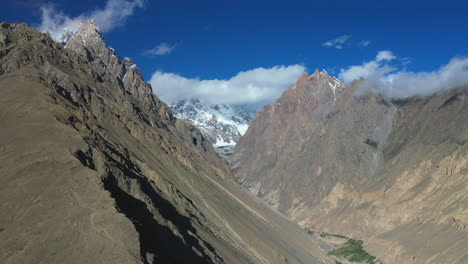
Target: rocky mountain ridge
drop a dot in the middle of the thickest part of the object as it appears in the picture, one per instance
(95, 168)
(388, 172)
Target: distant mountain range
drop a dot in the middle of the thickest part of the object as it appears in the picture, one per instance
(221, 124)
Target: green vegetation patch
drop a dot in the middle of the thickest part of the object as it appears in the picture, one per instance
(354, 252)
(371, 143)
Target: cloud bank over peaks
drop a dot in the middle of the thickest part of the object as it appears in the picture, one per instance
(253, 88)
(384, 75)
(60, 26)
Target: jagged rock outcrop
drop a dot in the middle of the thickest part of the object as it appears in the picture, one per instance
(392, 173)
(95, 169)
(87, 42)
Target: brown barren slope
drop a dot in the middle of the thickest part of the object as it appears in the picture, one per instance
(95, 169)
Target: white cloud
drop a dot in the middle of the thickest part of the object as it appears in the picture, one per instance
(58, 25)
(369, 69)
(114, 14)
(385, 55)
(366, 70)
(161, 49)
(393, 82)
(365, 43)
(254, 87)
(338, 42)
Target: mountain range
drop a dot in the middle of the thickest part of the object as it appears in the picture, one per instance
(95, 168)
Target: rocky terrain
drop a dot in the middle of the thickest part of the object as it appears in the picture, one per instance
(221, 124)
(94, 168)
(392, 174)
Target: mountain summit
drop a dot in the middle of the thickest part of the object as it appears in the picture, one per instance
(88, 42)
(88, 34)
(392, 173)
(221, 124)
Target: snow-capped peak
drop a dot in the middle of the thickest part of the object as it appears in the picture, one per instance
(222, 124)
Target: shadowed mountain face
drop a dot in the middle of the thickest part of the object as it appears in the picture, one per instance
(392, 173)
(95, 169)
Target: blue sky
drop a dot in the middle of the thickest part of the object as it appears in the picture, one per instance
(219, 39)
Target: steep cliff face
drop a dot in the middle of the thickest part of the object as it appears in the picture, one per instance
(392, 173)
(282, 131)
(95, 169)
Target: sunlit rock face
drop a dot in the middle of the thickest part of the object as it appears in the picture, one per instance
(385, 171)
